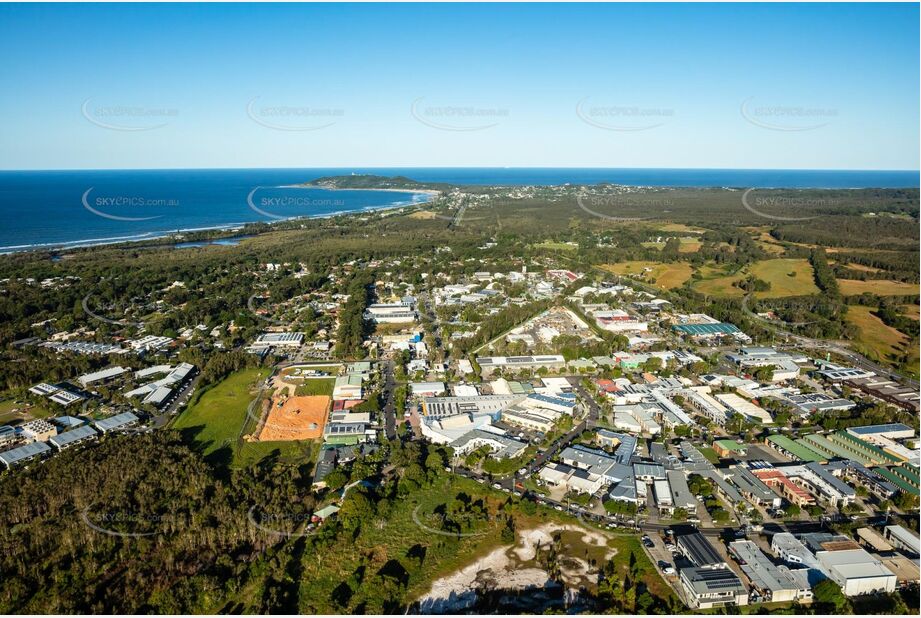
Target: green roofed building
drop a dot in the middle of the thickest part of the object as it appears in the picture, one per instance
(793, 449)
(821, 444)
(890, 475)
(707, 330)
(871, 451)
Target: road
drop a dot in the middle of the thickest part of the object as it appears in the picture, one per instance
(858, 360)
(390, 423)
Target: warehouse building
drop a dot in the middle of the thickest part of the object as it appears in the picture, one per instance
(774, 583)
(903, 539)
(706, 588)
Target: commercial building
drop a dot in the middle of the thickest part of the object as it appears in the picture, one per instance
(903, 539)
(681, 496)
(73, 437)
(501, 447)
(348, 387)
(745, 408)
(117, 422)
(101, 376)
(784, 365)
(427, 389)
(489, 364)
(887, 390)
(837, 558)
(706, 588)
(753, 488)
(779, 481)
(23, 454)
(794, 450)
(774, 583)
(439, 407)
(696, 548)
(391, 313)
(38, 430)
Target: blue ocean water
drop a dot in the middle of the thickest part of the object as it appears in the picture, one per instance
(42, 209)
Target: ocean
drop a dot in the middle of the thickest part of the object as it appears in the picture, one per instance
(47, 209)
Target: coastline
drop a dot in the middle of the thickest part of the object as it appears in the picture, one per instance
(90, 243)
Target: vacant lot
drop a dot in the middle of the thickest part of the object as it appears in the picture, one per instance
(778, 273)
(295, 418)
(316, 386)
(23, 411)
(664, 276)
(879, 339)
(717, 282)
(218, 415)
(880, 287)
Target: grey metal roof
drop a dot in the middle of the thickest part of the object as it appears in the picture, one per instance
(699, 550)
(23, 453)
(116, 422)
(63, 440)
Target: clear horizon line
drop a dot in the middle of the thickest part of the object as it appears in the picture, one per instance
(474, 167)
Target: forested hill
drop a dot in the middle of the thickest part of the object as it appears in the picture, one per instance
(371, 181)
(138, 524)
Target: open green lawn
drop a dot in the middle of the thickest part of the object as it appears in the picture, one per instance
(316, 386)
(555, 246)
(250, 453)
(710, 454)
(11, 411)
(216, 418)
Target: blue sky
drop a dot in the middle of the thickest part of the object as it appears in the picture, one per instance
(654, 85)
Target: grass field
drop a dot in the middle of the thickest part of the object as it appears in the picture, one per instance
(911, 311)
(250, 453)
(555, 246)
(777, 273)
(880, 287)
(664, 276)
(881, 340)
(220, 412)
(23, 411)
(316, 386)
(716, 282)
